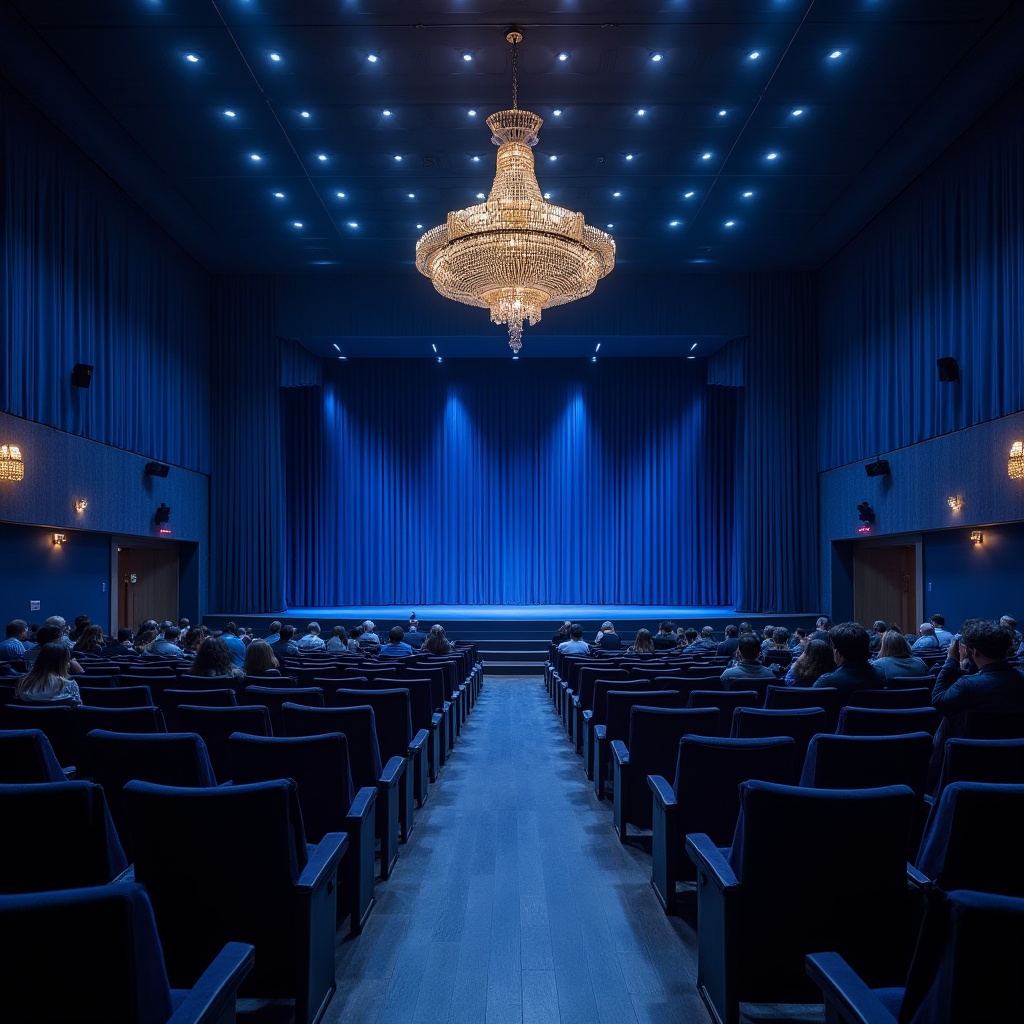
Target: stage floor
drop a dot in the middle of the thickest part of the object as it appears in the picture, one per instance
(503, 612)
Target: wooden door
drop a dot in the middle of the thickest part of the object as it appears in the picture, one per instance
(148, 581)
(884, 585)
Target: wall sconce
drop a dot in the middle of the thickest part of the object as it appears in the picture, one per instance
(955, 502)
(1015, 466)
(976, 537)
(59, 538)
(12, 465)
(81, 504)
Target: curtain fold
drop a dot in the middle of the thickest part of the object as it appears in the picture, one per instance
(479, 482)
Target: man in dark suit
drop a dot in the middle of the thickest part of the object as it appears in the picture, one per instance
(727, 648)
(665, 638)
(851, 649)
(995, 686)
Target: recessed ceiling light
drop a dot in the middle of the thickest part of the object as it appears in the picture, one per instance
(229, 113)
(722, 113)
(192, 58)
(747, 195)
(629, 156)
(352, 224)
(279, 195)
(472, 113)
(475, 159)
(467, 56)
(419, 227)
(340, 195)
(321, 156)
(694, 345)
(275, 56)
(434, 347)
(398, 158)
(593, 359)
(298, 224)
(696, 261)
(556, 113)
(412, 195)
(372, 58)
(563, 56)
(657, 57)
(343, 357)
(335, 346)
(797, 111)
(547, 195)
(730, 223)
(753, 55)
(609, 226)
(673, 223)
(552, 157)
(616, 194)
(386, 113)
(640, 112)
(304, 113)
(705, 156)
(772, 156)
(688, 195)
(480, 195)
(835, 55)
(255, 156)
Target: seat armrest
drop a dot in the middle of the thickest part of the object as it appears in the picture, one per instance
(664, 794)
(918, 879)
(323, 861)
(392, 773)
(128, 875)
(619, 752)
(436, 719)
(846, 995)
(709, 859)
(600, 731)
(587, 715)
(211, 999)
(418, 742)
(70, 772)
(364, 803)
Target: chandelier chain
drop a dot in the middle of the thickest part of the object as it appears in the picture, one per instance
(515, 75)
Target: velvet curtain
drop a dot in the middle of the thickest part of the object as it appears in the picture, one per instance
(529, 482)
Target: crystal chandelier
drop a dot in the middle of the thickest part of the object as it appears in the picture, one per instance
(515, 254)
(1015, 464)
(12, 466)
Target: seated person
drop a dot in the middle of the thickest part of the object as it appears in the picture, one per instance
(927, 640)
(48, 679)
(706, 642)
(338, 641)
(312, 640)
(396, 646)
(563, 633)
(727, 648)
(260, 660)
(287, 644)
(665, 638)
(166, 646)
(896, 660)
(575, 644)
(643, 644)
(851, 650)
(13, 647)
(437, 642)
(878, 629)
(607, 639)
(368, 635)
(748, 673)
(814, 661)
(49, 635)
(215, 660)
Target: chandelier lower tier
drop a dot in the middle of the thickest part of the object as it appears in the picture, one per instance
(515, 254)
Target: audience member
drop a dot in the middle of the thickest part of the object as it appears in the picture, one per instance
(748, 673)
(396, 647)
(275, 633)
(338, 641)
(215, 660)
(927, 640)
(665, 638)
(1010, 623)
(368, 635)
(851, 651)
(814, 661)
(822, 626)
(59, 623)
(234, 642)
(643, 643)
(143, 640)
(896, 660)
(766, 637)
(413, 625)
(48, 680)
(878, 629)
(287, 644)
(706, 642)
(575, 644)
(689, 637)
(13, 647)
(165, 646)
(727, 648)
(260, 660)
(563, 633)
(312, 640)
(191, 640)
(82, 623)
(121, 646)
(414, 637)
(90, 640)
(607, 639)
(942, 634)
(437, 642)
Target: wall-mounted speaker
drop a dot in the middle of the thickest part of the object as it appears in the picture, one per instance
(880, 467)
(156, 469)
(949, 370)
(81, 375)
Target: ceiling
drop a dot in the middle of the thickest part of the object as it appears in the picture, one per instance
(907, 78)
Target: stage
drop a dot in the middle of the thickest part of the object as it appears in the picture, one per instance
(514, 638)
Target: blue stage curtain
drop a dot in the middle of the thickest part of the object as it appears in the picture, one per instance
(87, 278)
(777, 497)
(529, 482)
(940, 273)
(246, 503)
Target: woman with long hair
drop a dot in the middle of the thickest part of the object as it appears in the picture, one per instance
(191, 640)
(897, 662)
(144, 639)
(214, 659)
(48, 680)
(339, 639)
(437, 642)
(90, 641)
(260, 660)
(816, 660)
(643, 644)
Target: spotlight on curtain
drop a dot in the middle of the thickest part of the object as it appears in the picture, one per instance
(12, 465)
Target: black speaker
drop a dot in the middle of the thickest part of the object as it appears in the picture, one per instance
(949, 370)
(81, 375)
(163, 513)
(156, 469)
(880, 467)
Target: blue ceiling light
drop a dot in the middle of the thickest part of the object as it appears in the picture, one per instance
(747, 195)
(673, 223)
(412, 195)
(657, 57)
(385, 113)
(467, 56)
(255, 157)
(722, 113)
(275, 57)
(694, 345)
(730, 224)
(419, 227)
(563, 56)
(475, 159)
(688, 195)
(697, 261)
(398, 158)
(640, 112)
(552, 157)
(297, 224)
(434, 347)
(835, 55)
(609, 226)
(322, 157)
(616, 194)
(192, 58)
(279, 195)
(480, 195)
(230, 113)
(753, 55)
(556, 113)
(372, 58)
(705, 156)
(303, 113)
(771, 156)
(547, 195)
(340, 195)
(598, 349)
(797, 112)
(352, 224)
(471, 113)
(629, 156)
(335, 346)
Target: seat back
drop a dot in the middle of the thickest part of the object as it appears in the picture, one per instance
(360, 729)
(121, 978)
(169, 758)
(862, 762)
(220, 865)
(318, 764)
(858, 721)
(620, 704)
(726, 702)
(602, 687)
(117, 696)
(54, 720)
(993, 725)
(820, 870)
(654, 735)
(272, 697)
(215, 725)
(827, 697)
(915, 697)
(798, 723)
(392, 715)
(587, 676)
(64, 837)
(975, 839)
(26, 756)
(983, 761)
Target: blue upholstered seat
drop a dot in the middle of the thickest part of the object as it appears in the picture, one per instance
(26, 756)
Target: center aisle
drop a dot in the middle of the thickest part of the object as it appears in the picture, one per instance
(513, 900)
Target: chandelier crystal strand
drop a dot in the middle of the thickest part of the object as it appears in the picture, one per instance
(515, 254)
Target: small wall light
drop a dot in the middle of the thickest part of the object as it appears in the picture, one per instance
(976, 537)
(12, 466)
(1014, 468)
(955, 502)
(59, 538)
(81, 504)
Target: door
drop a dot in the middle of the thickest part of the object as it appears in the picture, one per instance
(148, 582)
(884, 585)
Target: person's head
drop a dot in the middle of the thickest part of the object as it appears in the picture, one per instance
(171, 633)
(823, 622)
(894, 645)
(231, 629)
(259, 658)
(287, 632)
(745, 627)
(732, 630)
(397, 634)
(780, 636)
(748, 647)
(81, 623)
(690, 635)
(850, 642)
(607, 627)
(708, 633)
(58, 621)
(814, 661)
(985, 640)
(192, 639)
(314, 628)
(340, 633)
(565, 627)
(938, 621)
(149, 624)
(357, 631)
(125, 635)
(52, 664)
(90, 639)
(17, 628)
(275, 627)
(766, 633)
(1008, 622)
(576, 631)
(368, 626)
(643, 641)
(46, 634)
(184, 625)
(144, 639)
(879, 626)
(926, 629)
(165, 625)
(214, 658)
(666, 628)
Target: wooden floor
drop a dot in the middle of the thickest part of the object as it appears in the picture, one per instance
(513, 901)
